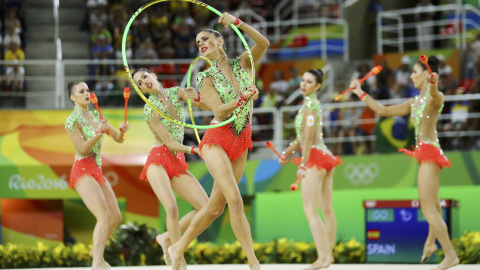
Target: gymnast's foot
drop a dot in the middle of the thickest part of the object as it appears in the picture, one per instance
(255, 267)
(164, 242)
(100, 266)
(176, 257)
(254, 264)
(427, 252)
(319, 264)
(183, 264)
(104, 262)
(450, 260)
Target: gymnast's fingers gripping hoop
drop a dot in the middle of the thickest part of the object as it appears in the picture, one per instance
(125, 63)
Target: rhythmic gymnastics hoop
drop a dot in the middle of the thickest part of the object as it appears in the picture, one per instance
(189, 77)
(125, 64)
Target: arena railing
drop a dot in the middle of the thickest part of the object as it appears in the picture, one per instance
(290, 9)
(56, 98)
(269, 123)
(122, 78)
(393, 33)
(328, 70)
(37, 99)
(59, 55)
(284, 121)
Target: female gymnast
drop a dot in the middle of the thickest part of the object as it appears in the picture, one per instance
(225, 87)
(424, 110)
(86, 132)
(166, 169)
(316, 167)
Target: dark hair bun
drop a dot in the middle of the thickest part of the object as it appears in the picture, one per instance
(318, 73)
(433, 63)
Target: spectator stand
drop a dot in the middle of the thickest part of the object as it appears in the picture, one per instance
(400, 86)
(320, 32)
(337, 131)
(267, 70)
(12, 46)
(111, 82)
(392, 32)
(342, 129)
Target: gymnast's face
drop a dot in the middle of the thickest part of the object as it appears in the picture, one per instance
(80, 95)
(146, 81)
(309, 84)
(418, 76)
(208, 44)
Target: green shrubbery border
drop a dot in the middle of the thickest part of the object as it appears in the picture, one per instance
(135, 245)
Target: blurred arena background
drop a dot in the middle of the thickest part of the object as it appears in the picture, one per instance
(45, 44)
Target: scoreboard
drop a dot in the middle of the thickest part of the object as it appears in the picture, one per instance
(395, 231)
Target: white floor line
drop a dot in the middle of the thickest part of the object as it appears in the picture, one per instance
(286, 267)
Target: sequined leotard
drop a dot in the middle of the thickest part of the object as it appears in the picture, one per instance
(235, 137)
(175, 131)
(173, 163)
(427, 149)
(90, 164)
(320, 156)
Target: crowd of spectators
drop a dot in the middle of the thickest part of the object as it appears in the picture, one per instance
(396, 83)
(167, 31)
(162, 31)
(12, 46)
(391, 83)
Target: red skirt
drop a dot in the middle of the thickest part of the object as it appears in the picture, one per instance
(175, 165)
(86, 166)
(428, 152)
(234, 145)
(319, 159)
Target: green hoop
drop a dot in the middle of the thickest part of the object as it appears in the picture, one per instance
(125, 64)
(189, 78)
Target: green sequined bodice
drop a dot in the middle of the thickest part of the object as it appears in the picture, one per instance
(312, 104)
(417, 113)
(226, 91)
(176, 131)
(87, 129)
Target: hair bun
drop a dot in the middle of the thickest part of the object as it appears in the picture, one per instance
(433, 63)
(318, 73)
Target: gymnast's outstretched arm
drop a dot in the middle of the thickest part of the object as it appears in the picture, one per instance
(384, 111)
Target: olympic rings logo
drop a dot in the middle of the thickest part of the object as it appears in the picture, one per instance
(380, 214)
(361, 173)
